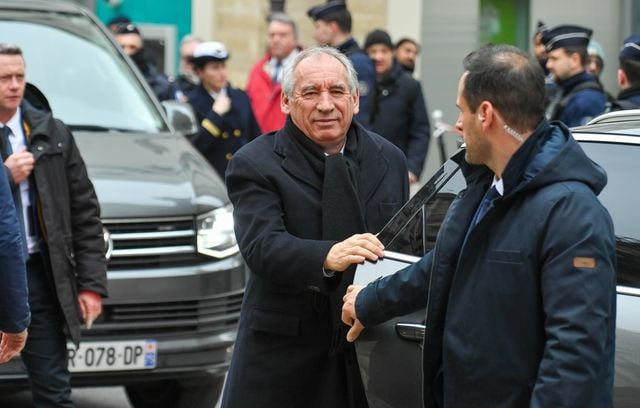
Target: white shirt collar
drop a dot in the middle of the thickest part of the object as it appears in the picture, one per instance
(214, 95)
(498, 184)
(14, 123)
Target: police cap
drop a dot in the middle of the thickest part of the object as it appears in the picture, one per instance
(566, 36)
(541, 27)
(323, 10)
(631, 48)
(126, 28)
(209, 51)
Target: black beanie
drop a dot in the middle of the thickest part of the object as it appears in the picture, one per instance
(378, 37)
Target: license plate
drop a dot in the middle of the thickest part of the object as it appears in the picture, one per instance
(112, 356)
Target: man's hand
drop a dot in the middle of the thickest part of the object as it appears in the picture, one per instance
(222, 104)
(90, 306)
(11, 344)
(20, 164)
(353, 250)
(412, 178)
(349, 316)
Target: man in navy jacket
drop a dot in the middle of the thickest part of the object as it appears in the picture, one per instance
(224, 113)
(520, 287)
(14, 299)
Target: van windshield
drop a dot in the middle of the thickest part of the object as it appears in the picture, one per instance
(87, 82)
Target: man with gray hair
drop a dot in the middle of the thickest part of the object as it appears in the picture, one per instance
(187, 80)
(263, 85)
(307, 200)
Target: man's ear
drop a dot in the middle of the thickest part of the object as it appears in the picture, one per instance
(284, 103)
(622, 78)
(356, 101)
(485, 113)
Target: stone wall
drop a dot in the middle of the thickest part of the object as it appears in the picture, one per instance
(241, 26)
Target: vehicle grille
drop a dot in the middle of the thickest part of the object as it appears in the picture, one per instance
(153, 243)
(212, 315)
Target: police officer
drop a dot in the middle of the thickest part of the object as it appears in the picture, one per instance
(332, 26)
(132, 43)
(224, 113)
(629, 75)
(580, 97)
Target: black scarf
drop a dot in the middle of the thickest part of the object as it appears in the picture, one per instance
(342, 216)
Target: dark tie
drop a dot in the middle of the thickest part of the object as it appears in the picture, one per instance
(276, 72)
(6, 143)
(7, 150)
(485, 204)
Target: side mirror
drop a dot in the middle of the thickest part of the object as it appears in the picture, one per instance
(181, 117)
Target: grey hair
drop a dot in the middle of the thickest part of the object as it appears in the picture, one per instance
(288, 82)
(10, 49)
(284, 19)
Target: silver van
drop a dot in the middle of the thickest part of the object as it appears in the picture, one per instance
(176, 278)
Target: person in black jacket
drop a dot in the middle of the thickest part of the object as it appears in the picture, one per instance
(629, 75)
(132, 43)
(399, 112)
(520, 289)
(64, 239)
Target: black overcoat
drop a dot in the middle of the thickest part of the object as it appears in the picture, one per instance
(281, 357)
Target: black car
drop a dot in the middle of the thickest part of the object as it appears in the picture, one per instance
(390, 354)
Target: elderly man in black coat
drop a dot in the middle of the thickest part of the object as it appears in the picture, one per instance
(307, 199)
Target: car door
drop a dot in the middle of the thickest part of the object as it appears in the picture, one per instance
(390, 355)
(620, 157)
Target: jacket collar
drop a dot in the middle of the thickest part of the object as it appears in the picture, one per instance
(372, 171)
(36, 123)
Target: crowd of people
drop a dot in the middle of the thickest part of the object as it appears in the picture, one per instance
(318, 153)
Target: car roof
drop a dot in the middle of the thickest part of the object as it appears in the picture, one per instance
(625, 123)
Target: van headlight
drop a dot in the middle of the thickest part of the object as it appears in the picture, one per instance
(216, 237)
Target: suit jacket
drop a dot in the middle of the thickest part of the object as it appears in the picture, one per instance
(281, 357)
(218, 136)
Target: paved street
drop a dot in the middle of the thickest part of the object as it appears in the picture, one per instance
(95, 397)
(99, 397)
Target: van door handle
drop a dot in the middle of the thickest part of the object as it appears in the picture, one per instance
(410, 331)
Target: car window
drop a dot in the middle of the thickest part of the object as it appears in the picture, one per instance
(414, 228)
(621, 197)
(87, 83)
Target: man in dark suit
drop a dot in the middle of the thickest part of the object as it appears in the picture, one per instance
(224, 113)
(306, 200)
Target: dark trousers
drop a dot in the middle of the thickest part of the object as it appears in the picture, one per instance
(45, 354)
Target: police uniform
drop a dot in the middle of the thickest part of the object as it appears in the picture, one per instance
(219, 136)
(629, 98)
(361, 62)
(581, 97)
